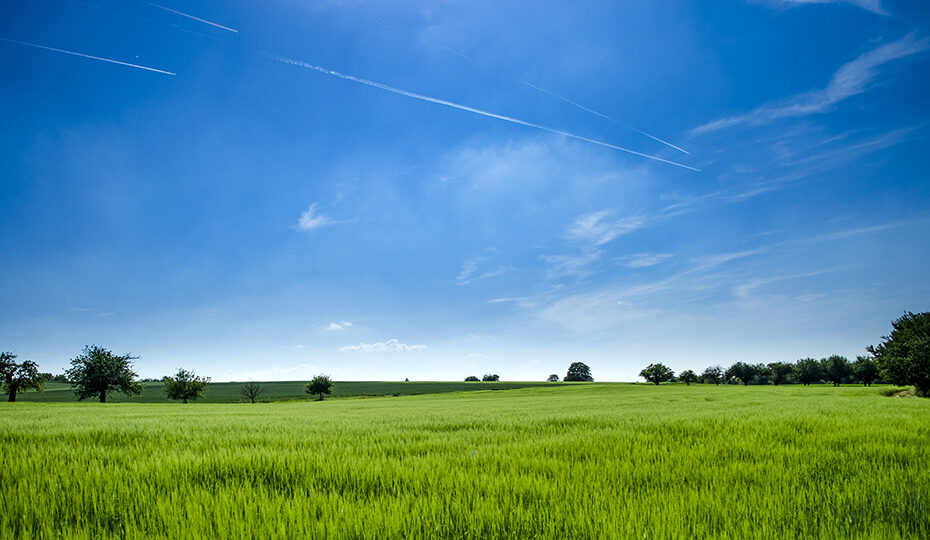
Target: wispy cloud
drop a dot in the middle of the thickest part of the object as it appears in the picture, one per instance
(472, 271)
(391, 345)
(643, 260)
(875, 6)
(599, 230)
(579, 265)
(852, 79)
(82, 55)
(337, 326)
(312, 219)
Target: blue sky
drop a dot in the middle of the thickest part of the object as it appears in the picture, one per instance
(243, 213)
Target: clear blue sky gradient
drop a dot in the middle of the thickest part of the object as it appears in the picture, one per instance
(253, 219)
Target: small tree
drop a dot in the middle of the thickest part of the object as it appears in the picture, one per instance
(472, 378)
(578, 372)
(491, 377)
(552, 378)
(903, 358)
(807, 371)
(185, 385)
(19, 377)
(98, 372)
(781, 372)
(252, 390)
(742, 371)
(320, 385)
(687, 376)
(865, 369)
(713, 374)
(657, 373)
(836, 368)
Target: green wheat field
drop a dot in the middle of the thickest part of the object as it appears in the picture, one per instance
(567, 461)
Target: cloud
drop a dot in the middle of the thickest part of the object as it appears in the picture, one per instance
(391, 345)
(852, 79)
(336, 326)
(579, 266)
(595, 228)
(470, 271)
(875, 6)
(644, 260)
(310, 220)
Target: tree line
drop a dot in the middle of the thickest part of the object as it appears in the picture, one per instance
(835, 369)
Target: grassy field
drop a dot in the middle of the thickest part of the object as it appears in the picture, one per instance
(574, 461)
(230, 392)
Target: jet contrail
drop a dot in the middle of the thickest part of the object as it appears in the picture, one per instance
(467, 108)
(592, 111)
(87, 56)
(192, 17)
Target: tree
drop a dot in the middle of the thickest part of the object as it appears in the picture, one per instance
(552, 378)
(16, 377)
(657, 373)
(252, 390)
(781, 372)
(321, 384)
(185, 385)
(713, 374)
(865, 370)
(742, 371)
(903, 358)
(687, 376)
(491, 377)
(97, 372)
(578, 372)
(807, 371)
(836, 368)
(472, 378)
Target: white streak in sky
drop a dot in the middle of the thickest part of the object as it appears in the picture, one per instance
(87, 56)
(469, 109)
(192, 17)
(614, 120)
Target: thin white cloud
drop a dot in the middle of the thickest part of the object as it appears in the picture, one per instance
(337, 326)
(597, 229)
(578, 266)
(875, 6)
(852, 79)
(311, 219)
(391, 345)
(644, 260)
(471, 271)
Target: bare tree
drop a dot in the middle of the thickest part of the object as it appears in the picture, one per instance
(252, 390)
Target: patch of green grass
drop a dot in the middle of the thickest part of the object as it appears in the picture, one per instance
(231, 392)
(573, 461)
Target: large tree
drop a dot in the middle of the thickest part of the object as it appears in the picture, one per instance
(687, 376)
(903, 358)
(578, 372)
(807, 371)
(781, 372)
(713, 374)
(657, 373)
(18, 376)
(320, 385)
(742, 371)
(865, 369)
(836, 368)
(97, 372)
(185, 385)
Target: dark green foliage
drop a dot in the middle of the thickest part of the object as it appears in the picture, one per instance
(18, 376)
(97, 372)
(903, 358)
(552, 378)
(320, 385)
(780, 372)
(836, 369)
(185, 386)
(657, 373)
(578, 372)
(742, 372)
(865, 370)
(252, 390)
(807, 371)
(687, 376)
(491, 377)
(713, 374)
(472, 378)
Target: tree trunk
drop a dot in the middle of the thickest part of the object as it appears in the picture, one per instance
(12, 394)
(103, 396)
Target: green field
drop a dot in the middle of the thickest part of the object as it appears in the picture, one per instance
(230, 392)
(573, 461)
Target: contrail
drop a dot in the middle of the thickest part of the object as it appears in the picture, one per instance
(87, 56)
(192, 17)
(469, 109)
(614, 120)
